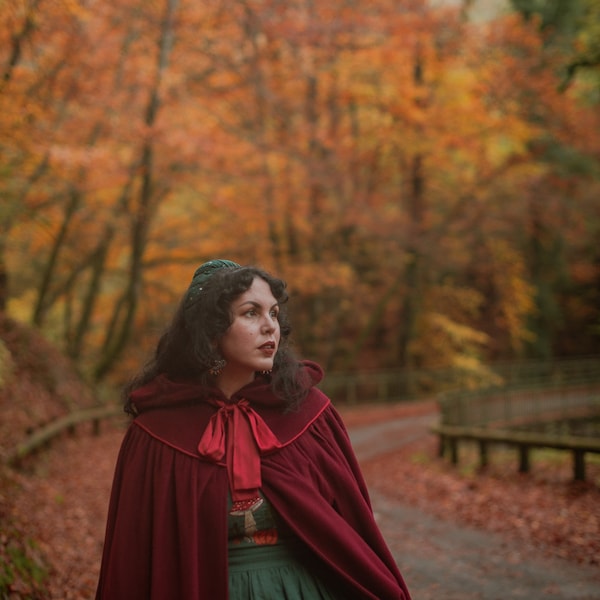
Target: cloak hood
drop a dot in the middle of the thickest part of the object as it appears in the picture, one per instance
(163, 392)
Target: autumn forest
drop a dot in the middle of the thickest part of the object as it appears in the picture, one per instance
(427, 182)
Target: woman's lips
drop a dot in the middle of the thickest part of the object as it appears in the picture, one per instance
(268, 348)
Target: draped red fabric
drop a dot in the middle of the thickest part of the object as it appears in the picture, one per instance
(236, 432)
(166, 534)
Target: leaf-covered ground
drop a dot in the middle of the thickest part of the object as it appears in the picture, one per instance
(61, 503)
(544, 507)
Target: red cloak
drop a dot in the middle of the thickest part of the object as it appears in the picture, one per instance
(166, 533)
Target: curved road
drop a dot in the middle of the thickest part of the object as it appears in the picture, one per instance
(441, 560)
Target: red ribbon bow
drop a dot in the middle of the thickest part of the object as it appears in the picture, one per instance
(238, 433)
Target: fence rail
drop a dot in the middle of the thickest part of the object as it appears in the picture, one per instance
(508, 407)
(503, 415)
(404, 384)
(451, 435)
(48, 432)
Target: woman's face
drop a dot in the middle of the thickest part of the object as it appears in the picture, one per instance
(251, 342)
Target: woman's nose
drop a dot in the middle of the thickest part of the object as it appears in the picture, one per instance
(269, 323)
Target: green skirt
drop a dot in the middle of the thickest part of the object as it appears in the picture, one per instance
(272, 573)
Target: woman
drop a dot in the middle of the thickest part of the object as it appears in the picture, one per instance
(236, 478)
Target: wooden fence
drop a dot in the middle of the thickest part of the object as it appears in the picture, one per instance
(408, 384)
(524, 417)
(45, 434)
(510, 407)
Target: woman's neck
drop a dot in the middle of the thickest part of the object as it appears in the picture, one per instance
(229, 383)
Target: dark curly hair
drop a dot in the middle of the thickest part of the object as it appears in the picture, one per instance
(186, 349)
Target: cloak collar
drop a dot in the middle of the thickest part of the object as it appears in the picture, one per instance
(235, 433)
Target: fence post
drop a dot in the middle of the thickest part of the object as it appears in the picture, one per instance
(442, 445)
(523, 458)
(483, 454)
(579, 465)
(453, 450)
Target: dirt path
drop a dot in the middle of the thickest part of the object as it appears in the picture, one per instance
(442, 559)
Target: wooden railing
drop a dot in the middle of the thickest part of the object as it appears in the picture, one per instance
(408, 384)
(450, 436)
(45, 434)
(524, 416)
(511, 406)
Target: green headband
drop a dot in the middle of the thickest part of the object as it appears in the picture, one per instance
(202, 275)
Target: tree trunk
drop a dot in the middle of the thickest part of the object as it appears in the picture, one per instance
(147, 201)
(42, 305)
(3, 279)
(413, 277)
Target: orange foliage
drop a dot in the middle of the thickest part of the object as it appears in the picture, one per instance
(366, 154)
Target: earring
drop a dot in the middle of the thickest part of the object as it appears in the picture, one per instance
(217, 366)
